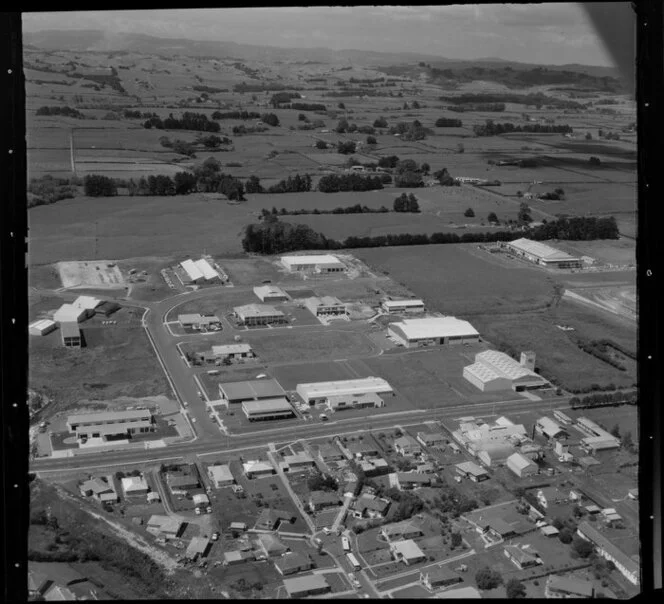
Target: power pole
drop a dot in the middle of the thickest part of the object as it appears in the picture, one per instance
(96, 241)
(71, 151)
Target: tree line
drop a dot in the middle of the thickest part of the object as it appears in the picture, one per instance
(236, 115)
(259, 237)
(490, 128)
(403, 203)
(333, 183)
(188, 121)
(537, 99)
(603, 399)
(305, 106)
(65, 111)
(447, 122)
(489, 107)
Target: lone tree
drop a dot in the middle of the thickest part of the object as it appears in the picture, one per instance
(321, 144)
(371, 140)
(469, 213)
(487, 578)
(515, 589)
(582, 547)
(492, 217)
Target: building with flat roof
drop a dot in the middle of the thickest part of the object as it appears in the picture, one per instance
(469, 469)
(319, 392)
(238, 557)
(198, 321)
(407, 551)
(367, 400)
(307, 585)
(71, 335)
(191, 273)
(233, 351)
(107, 308)
(627, 566)
(165, 526)
(68, 313)
(432, 331)
(402, 306)
(568, 587)
(271, 293)
(109, 426)
(251, 390)
(220, 475)
(494, 370)
(541, 253)
(412, 480)
(325, 306)
(87, 303)
(521, 465)
(259, 314)
(320, 263)
(297, 461)
(41, 327)
(267, 409)
(91, 420)
(255, 468)
(439, 576)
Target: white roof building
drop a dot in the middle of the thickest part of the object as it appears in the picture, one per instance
(493, 370)
(486, 378)
(396, 305)
(270, 292)
(225, 349)
(193, 271)
(86, 302)
(433, 330)
(520, 465)
(319, 262)
(134, 485)
(549, 428)
(68, 313)
(257, 311)
(322, 390)
(41, 327)
(206, 269)
(541, 253)
(221, 475)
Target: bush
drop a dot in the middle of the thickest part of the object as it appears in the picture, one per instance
(469, 213)
(96, 185)
(488, 579)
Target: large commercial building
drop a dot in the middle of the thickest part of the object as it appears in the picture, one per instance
(491, 443)
(432, 331)
(258, 314)
(110, 425)
(68, 313)
(271, 293)
(403, 306)
(627, 566)
(540, 253)
(326, 305)
(252, 390)
(41, 327)
(198, 271)
(323, 263)
(493, 371)
(273, 408)
(320, 393)
(233, 351)
(87, 303)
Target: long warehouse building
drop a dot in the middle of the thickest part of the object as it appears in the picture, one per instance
(432, 331)
(321, 263)
(542, 254)
(199, 271)
(252, 390)
(323, 392)
(493, 371)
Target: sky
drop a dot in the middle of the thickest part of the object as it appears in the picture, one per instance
(551, 33)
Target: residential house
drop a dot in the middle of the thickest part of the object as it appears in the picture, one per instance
(253, 469)
(165, 526)
(220, 475)
(320, 500)
(568, 587)
(407, 445)
(198, 547)
(439, 576)
(307, 585)
(435, 440)
(270, 519)
(407, 551)
(412, 480)
(99, 489)
(238, 557)
(293, 563)
(135, 485)
(401, 530)
(368, 506)
(271, 545)
(521, 557)
(469, 469)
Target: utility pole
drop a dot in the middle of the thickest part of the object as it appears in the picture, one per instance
(96, 241)
(71, 152)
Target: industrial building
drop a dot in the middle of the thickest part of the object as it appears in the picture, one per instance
(273, 408)
(339, 402)
(491, 443)
(469, 469)
(521, 465)
(87, 303)
(597, 438)
(627, 566)
(493, 371)
(197, 271)
(402, 306)
(68, 313)
(41, 327)
(406, 529)
(252, 390)
(233, 352)
(550, 429)
(258, 314)
(271, 293)
(324, 263)
(71, 335)
(325, 306)
(432, 331)
(318, 393)
(88, 422)
(220, 475)
(541, 253)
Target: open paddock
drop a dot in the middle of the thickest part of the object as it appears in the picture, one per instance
(251, 271)
(456, 278)
(99, 274)
(620, 252)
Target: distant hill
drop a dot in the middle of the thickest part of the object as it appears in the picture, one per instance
(99, 41)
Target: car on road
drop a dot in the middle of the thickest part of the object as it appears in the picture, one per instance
(197, 511)
(354, 581)
(327, 530)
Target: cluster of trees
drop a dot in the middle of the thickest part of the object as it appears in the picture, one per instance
(283, 97)
(333, 183)
(292, 184)
(448, 122)
(414, 131)
(321, 482)
(96, 185)
(600, 350)
(242, 129)
(490, 107)
(65, 111)
(275, 237)
(594, 161)
(406, 203)
(179, 146)
(135, 114)
(407, 504)
(576, 228)
(270, 119)
(469, 213)
(47, 190)
(208, 89)
(445, 179)
(554, 195)
(188, 121)
(380, 122)
(604, 399)
(488, 579)
(346, 147)
(609, 136)
(356, 209)
(212, 141)
(236, 115)
(306, 106)
(536, 99)
(490, 128)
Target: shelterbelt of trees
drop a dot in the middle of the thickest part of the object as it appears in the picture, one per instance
(273, 236)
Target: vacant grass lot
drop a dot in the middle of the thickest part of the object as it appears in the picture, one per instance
(116, 362)
(452, 280)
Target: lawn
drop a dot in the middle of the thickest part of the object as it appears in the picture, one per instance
(289, 376)
(460, 279)
(117, 362)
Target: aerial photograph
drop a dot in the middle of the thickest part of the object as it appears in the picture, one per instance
(331, 303)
